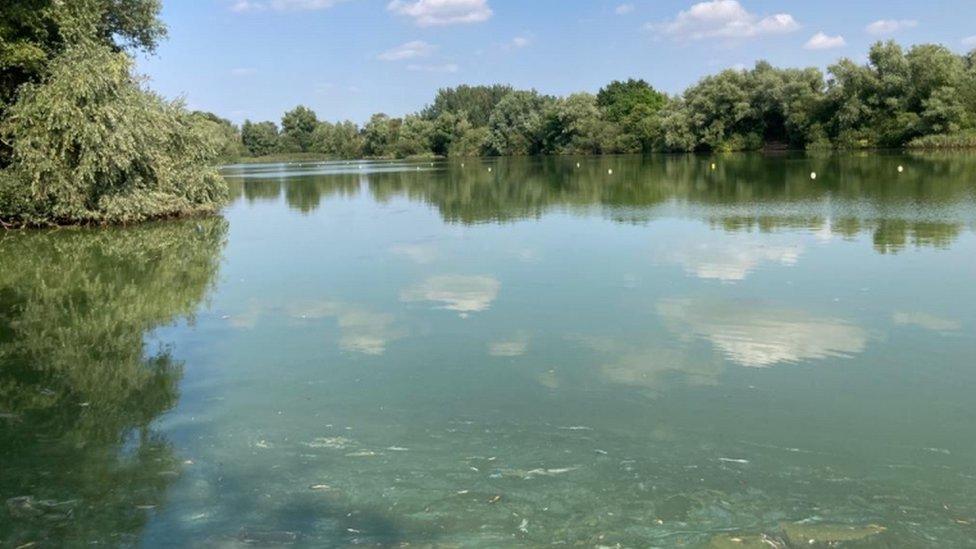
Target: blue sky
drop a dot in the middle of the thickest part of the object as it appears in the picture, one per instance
(350, 58)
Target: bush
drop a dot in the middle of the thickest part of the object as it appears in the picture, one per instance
(90, 145)
(960, 140)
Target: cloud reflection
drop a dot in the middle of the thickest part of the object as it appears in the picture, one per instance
(760, 336)
(516, 346)
(731, 258)
(361, 330)
(926, 321)
(464, 294)
(421, 254)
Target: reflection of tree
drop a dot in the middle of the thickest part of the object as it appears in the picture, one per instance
(744, 192)
(78, 387)
(305, 193)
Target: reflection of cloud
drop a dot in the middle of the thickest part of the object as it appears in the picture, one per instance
(513, 347)
(464, 294)
(759, 336)
(361, 330)
(651, 365)
(422, 254)
(927, 321)
(732, 259)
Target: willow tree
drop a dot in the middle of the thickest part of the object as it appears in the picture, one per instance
(34, 32)
(91, 145)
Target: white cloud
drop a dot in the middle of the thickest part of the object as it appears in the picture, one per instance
(241, 6)
(426, 13)
(410, 50)
(446, 67)
(822, 41)
(464, 294)
(624, 9)
(889, 26)
(243, 71)
(724, 19)
(517, 43)
(969, 41)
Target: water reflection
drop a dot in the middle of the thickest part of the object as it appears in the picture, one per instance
(729, 258)
(926, 205)
(926, 321)
(464, 294)
(516, 346)
(80, 386)
(759, 335)
(362, 330)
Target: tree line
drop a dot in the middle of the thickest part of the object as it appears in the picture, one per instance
(924, 96)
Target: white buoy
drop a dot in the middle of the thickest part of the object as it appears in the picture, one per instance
(813, 175)
(577, 164)
(610, 172)
(901, 169)
(713, 166)
(489, 170)
(462, 164)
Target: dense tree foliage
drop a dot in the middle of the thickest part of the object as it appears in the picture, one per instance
(90, 145)
(475, 103)
(83, 141)
(297, 128)
(925, 97)
(34, 32)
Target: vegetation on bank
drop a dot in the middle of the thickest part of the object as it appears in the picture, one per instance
(923, 97)
(83, 141)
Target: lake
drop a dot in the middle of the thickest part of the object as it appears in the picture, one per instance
(621, 351)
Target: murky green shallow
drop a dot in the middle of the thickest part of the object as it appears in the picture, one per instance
(543, 353)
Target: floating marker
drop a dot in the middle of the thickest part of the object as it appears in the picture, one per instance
(577, 165)
(813, 175)
(901, 169)
(609, 172)
(489, 170)
(462, 164)
(713, 166)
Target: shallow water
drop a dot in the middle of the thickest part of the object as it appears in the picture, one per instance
(508, 352)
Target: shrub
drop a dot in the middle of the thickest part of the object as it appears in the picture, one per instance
(959, 140)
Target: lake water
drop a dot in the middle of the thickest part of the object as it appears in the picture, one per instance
(661, 351)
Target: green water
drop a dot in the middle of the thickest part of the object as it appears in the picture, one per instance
(505, 353)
